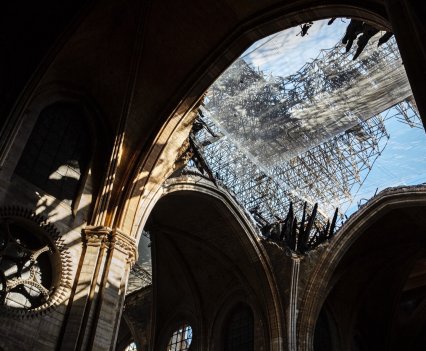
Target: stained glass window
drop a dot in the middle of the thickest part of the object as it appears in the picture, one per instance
(181, 338)
(131, 347)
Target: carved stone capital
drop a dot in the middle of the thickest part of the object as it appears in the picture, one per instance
(96, 235)
(101, 236)
(125, 244)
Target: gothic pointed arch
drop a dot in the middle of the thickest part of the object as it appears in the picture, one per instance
(368, 264)
(155, 163)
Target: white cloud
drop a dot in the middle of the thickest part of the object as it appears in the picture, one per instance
(286, 52)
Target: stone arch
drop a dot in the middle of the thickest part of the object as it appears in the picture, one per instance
(154, 166)
(331, 255)
(248, 245)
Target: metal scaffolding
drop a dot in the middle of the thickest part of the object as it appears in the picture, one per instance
(139, 278)
(273, 119)
(407, 113)
(324, 174)
(311, 137)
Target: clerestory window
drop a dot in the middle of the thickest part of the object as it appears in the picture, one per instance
(181, 338)
(58, 151)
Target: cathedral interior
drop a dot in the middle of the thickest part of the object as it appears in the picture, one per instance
(163, 186)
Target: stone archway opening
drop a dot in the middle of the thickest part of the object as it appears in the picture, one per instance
(165, 165)
(205, 259)
(160, 161)
(376, 294)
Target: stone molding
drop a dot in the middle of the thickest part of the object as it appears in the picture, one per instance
(105, 237)
(96, 236)
(125, 244)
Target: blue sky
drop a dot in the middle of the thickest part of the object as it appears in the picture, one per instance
(403, 161)
(285, 52)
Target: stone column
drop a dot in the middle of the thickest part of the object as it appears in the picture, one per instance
(408, 22)
(293, 302)
(94, 312)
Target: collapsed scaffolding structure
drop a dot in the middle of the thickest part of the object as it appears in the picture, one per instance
(311, 137)
(323, 174)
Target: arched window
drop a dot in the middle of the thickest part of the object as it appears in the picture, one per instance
(181, 338)
(239, 329)
(58, 151)
(131, 347)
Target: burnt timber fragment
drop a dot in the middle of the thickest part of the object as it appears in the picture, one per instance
(302, 236)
